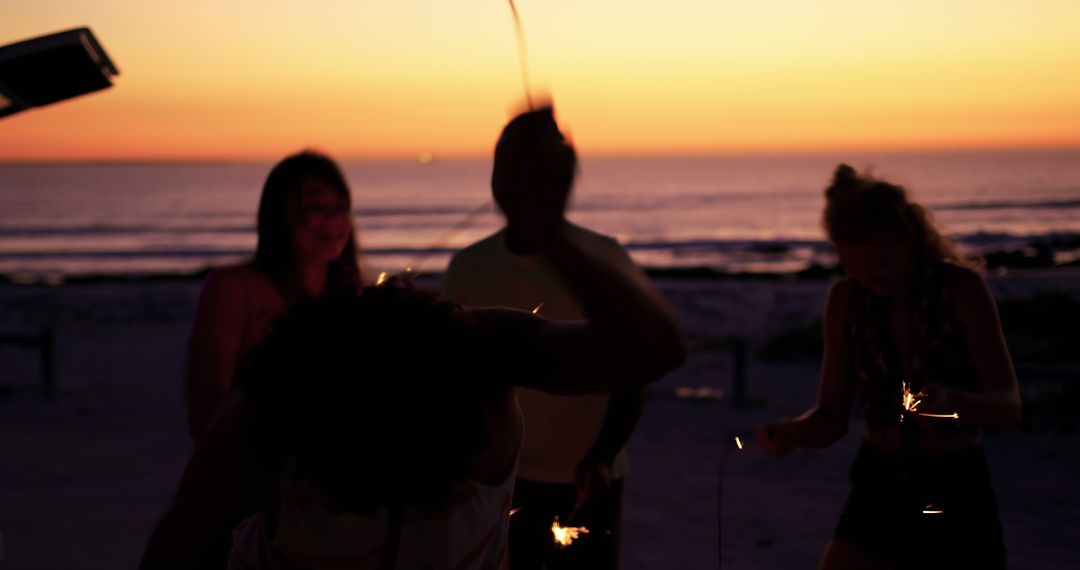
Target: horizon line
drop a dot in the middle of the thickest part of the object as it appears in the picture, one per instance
(465, 157)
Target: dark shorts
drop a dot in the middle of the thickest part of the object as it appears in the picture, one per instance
(885, 513)
(532, 546)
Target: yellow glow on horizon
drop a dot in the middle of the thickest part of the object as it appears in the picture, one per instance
(378, 78)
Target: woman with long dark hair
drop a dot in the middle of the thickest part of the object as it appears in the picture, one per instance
(306, 248)
(914, 330)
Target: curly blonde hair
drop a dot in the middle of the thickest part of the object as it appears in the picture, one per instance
(860, 208)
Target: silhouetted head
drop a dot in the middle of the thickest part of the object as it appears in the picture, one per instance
(305, 216)
(534, 170)
(378, 397)
(881, 237)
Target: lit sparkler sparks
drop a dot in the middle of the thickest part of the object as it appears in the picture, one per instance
(536, 309)
(381, 279)
(953, 415)
(566, 535)
(932, 510)
(514, 511)
(738, 442)
(910, 401)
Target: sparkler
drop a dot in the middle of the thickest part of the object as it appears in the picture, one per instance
(932, 510)
(521, 53)
(536, 310)
(381, 279)
(720, 497)
(566, 535)
(483, 208)
(910, 402)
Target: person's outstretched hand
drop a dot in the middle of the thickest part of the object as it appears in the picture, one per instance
(776, 438)
(934, 400)
(594, 477)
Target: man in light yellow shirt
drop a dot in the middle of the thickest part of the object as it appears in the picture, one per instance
(572, 461)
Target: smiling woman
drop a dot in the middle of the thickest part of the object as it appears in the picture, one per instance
(306, 248)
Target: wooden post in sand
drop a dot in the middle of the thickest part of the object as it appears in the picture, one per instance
(738, 380)
(48, 385)
(44, 342)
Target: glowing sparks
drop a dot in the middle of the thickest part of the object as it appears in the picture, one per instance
(566, 535)
(953, 415)
(910, 402)
(536, 309)
(381, 279)
(738, 442)
(514, 511)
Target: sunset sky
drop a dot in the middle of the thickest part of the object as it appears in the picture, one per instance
(256, 79)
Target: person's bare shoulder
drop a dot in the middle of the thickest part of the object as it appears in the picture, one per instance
(837, 307)
(962, 280)
(843, 289)
(477, 248)
(971, 295)
(467, 265)
(246, 279)
(229, 293)
(589, 236)
(237, 273)
(600, 244)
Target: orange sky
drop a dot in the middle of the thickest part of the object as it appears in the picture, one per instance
(256, 79)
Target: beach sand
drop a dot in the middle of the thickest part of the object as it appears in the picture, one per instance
(85, 476)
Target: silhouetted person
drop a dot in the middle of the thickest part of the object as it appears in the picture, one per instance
(306, 248)
(572, 460)
(403, 457)
(909, 311)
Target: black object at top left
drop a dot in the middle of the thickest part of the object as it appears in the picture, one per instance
(47, 69)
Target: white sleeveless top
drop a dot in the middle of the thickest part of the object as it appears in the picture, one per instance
(559, 430)
(470, 533)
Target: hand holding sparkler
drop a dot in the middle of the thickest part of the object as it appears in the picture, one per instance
(935, 405)
(930, 403)
(935, 399)
(593, 476)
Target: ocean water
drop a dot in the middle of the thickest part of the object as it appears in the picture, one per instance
(729, 213)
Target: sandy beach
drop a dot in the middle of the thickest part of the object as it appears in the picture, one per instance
(84, 476)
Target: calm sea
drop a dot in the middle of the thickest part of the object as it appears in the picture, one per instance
(731, 213)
